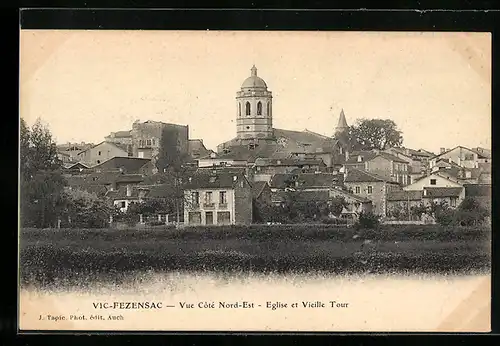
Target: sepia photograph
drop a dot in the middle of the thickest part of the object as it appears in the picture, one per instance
(254, 181)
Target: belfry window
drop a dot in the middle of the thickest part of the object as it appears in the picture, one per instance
(259, 108)
(247, 108)
(239, 109)
(269, 108)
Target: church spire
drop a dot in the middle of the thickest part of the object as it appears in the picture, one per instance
(254, 70)
(342, 124)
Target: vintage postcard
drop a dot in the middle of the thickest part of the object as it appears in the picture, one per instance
(255, 181)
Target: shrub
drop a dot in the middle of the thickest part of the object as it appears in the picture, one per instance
(368, 221)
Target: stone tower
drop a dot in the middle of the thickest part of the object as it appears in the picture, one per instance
(254, 109)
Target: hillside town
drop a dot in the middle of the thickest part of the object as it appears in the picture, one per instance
(263, 168)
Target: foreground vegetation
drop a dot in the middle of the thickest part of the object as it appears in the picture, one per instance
(49, 256)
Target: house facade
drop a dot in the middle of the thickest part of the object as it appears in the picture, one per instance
(102, 152)
(382, 164)
(370, 186)
(217, 198)
(461, 156)
(432, 180)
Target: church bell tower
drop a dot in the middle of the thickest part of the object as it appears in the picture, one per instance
(254, 109)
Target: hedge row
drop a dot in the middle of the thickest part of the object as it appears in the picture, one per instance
(265, 233)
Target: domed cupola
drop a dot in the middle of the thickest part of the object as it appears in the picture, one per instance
(254, 81)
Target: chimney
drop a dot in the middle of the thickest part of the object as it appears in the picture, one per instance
(442, 150)
(129, 190)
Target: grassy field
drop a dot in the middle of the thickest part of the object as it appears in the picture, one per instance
(69, 255)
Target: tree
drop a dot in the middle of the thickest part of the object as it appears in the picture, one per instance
(41, 181)
(369, 134)
(470, 213)
(84, 209)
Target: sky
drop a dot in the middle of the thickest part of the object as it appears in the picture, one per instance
(85, 84)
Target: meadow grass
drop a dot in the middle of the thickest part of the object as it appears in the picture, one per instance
(55, 256)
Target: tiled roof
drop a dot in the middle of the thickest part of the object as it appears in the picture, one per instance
(244, 153)
(433, 192)
(392, 157)
(118, 145)
(485, 167)
(103, 178)
(370, 155)
(300, 136)
(129, 164)
(477, 190)
(356, 175)
(203, 180)
(257, 188)
(302, 196)
(288, 162)
(404, 195)
(76, 165)
(413, 152)
(458, 146)
(149, 191)
(122, 134)
(306, 180)
(348, 195)
(482, 152)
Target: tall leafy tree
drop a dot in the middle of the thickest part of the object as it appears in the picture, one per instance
(370, 134)
(41, 182)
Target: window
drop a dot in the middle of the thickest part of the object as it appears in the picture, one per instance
(98, 161)
(141, 143)
(209, 218)
(370, 190)
(223, 218)
(247, 108)
(208, 197)
(99, 153)
(153, 141)
(123, 204)
(259, 108)
(148, 142)
(194, 218)
(433, 181)
(360, 158)
(195, 198)
(222, 197)
(453, 202)
(239, 109)
(357, 189)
